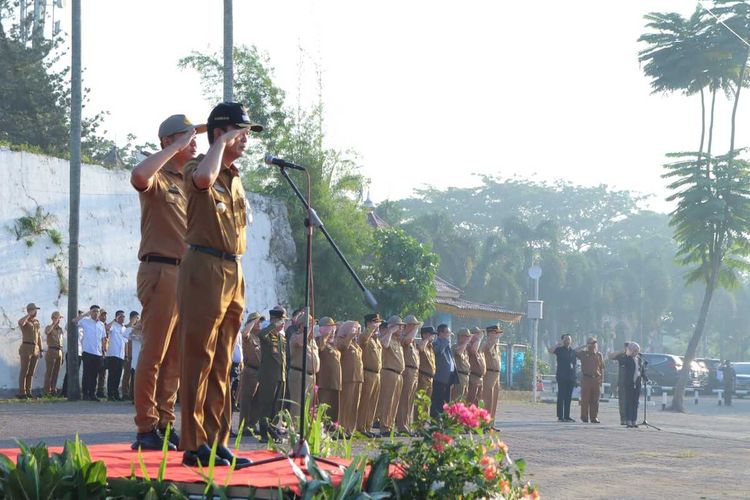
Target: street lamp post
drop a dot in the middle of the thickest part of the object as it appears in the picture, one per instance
(534, 313)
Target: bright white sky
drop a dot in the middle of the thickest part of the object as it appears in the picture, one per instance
(428, 92)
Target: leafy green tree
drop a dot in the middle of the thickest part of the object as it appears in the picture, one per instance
(402, 274)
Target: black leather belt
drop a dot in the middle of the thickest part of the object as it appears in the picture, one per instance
(392, 370)
(54, 347)
(160, 259)
(376, 372)
(30, 343)
(426, 374)
(412, 367)
(462, 373)
(493, 371)
(299, 369)
(215, 253)
(254, 367)
(477, 374)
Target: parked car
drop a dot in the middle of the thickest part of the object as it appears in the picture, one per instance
(742, 382)
(698, 372)
(712, 365)
(664, 370)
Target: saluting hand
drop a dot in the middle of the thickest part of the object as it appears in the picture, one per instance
(230, 136)
(184, 140)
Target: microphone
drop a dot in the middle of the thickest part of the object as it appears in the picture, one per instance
(271, 160)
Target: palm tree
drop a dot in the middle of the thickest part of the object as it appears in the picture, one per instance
(711, 224)
(228, 47)
(75, 201)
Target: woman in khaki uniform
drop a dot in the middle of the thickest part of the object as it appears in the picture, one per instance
(329, 376)
(251, 360)
(390, 376)
(461, 356)
(426, 360)
(29, 351)
(491, 385)
(372, 364)
(54, 356)
(478, 366)
(295, 370)
(405, 413)
(352, 374)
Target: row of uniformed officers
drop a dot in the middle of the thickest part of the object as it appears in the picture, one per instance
(361, 374)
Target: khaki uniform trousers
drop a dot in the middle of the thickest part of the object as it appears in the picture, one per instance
(424, 383)
(491, 392)
(211, 296)
(295, 390)
(248, 388)
(474, 391)
(590, 392)
(350, 393)
(157, 374)
(29, 356)
(405, 413)
(391, 384)
(127, 382)
(368, 401)
(331, 397)
(460, 390)
(53, 360)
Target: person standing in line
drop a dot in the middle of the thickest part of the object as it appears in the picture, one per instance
(329, 377)
(234, 374)
(634, 376)
(565, 375)
(491, 381)
(445, 370)
(249, 376)
(271, 374)
(160, 183)
(30, 350)
(92, 345)
(101, 376)
(410, 376)
(460, 390)
(426, 361)
(118, 334)
(592, 368)
(352, 374)
(296, 374)
(391, 382)
(372, 364)
(729, 376)
(54, 356)
(128, 369)
(620, 356)
(478, 367)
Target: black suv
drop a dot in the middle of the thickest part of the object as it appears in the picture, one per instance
(664, 370)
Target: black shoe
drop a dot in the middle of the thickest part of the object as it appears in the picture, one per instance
(622, 422)
(596, 421)
(584, 421)
(151, 441)
(561, 420)
(21, 396)
(174, 438)
(376, 424)
(201, 456)
(239, 462)
(568, 419)
(369, 434)
(232, 434)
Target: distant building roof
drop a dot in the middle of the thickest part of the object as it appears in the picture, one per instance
(375, 221)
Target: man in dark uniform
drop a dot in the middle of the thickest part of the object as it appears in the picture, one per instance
(565, 375)
(445, 370)
(211, 286)
(620, 356)
(271, 374)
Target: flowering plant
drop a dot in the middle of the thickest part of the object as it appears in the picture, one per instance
(457, 455)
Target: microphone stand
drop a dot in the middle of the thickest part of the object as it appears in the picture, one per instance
(645, 405)
(301, 449)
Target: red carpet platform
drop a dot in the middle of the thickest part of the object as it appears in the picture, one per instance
(120, 460)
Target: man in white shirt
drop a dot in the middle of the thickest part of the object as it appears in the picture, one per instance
(118, 335)
(91, 345)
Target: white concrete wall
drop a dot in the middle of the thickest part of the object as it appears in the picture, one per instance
(109, 239)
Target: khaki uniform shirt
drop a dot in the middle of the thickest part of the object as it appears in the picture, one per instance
(54, 337)
(351, 363)
(492, 358)
(462, 365)
(329, 376)
(411, 356)
(30, 334)
(313, 359)
(372, 352)
(592, 363)
(217, 216)
(478, 364)
(427, 361)
(251, 351)
(163, 215)
(393, 357)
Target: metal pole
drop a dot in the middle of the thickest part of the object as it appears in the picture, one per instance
(228, 45)
(536, 339)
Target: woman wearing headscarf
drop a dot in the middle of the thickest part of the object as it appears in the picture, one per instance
(634, 376)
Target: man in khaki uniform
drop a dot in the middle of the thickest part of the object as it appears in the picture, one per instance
(329, 376)
(352, 374)
(249, 375)
(29, 351)
(426, 360)
(461, 356)
(54, 355)
(371, 365)
(211, 286)
(491, 382)
(160, 185)
(592, 369)
(272, 373)
(296, 343)
(405, 413)
(478, 367)
(390, 376)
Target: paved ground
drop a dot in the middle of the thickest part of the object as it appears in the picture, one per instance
(702, 454)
